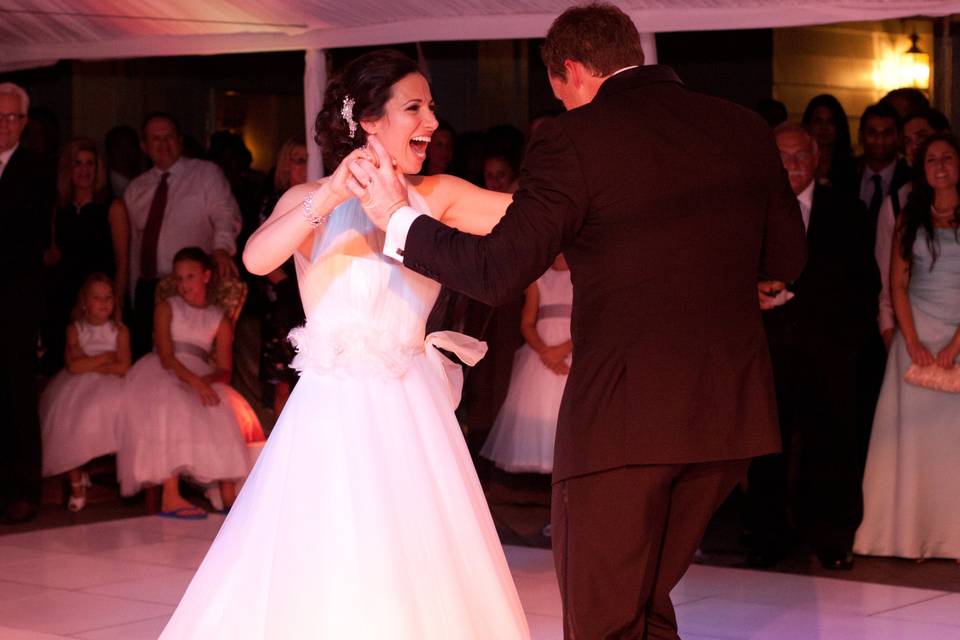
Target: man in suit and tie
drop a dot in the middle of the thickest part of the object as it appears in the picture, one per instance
(881, 169)
(26, 201)
(669, 206)
(816, 328)
(882, 173)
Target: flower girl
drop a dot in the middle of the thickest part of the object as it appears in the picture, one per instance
(182, 417)
(522, 436)
(81, 408)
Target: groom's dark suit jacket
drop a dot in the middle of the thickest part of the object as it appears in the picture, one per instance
(668, 205)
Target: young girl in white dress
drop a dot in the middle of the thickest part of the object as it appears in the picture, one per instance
(521, 440)
(363, 517)
(182, 417)
(81, 408)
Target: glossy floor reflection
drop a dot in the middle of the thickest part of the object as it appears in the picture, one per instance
(122, 579)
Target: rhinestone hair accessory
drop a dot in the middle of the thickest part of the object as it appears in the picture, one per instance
(346, 112)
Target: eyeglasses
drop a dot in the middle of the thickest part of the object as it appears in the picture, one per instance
(10, 118)
(801, 157)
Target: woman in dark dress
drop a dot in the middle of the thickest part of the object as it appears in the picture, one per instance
(90, 235)
(282, 310)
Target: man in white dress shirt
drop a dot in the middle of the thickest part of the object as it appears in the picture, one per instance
(180, 202)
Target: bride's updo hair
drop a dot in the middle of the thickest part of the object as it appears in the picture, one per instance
(367, 81)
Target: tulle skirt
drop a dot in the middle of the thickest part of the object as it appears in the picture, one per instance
(362, 519)
(80, 417)
(522, 437)
(168, 430)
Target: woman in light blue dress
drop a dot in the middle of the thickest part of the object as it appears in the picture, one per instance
(911, 503)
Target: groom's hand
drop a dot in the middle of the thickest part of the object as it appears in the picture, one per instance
(378, 184)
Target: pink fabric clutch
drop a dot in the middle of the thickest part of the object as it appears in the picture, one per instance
(934, 377)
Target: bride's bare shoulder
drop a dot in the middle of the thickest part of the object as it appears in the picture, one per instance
(440, 190)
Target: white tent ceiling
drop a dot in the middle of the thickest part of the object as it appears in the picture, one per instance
(36, 32)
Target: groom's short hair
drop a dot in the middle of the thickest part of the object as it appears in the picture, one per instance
(599, 36)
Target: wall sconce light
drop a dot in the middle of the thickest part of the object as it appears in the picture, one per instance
(897, 68)
(916, 64)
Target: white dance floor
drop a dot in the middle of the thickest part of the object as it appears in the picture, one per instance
(121, 580)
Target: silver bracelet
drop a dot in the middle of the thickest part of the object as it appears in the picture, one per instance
(313, 219)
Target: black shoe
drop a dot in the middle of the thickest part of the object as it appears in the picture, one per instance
(835, 559)
(18, 511)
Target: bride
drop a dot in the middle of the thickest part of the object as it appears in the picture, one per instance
(363, 517)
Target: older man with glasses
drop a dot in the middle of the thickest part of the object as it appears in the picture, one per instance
(26, 198)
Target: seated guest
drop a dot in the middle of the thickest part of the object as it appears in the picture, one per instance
(90, 235)
(182, 418)
(814, 328)
(81, 408)
(911, 506)
(917, 127)
(180, 202)
(826, 120)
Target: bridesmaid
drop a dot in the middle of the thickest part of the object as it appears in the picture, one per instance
(911, 506)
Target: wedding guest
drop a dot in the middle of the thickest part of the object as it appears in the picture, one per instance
(90, 235)
(440, 151)
(814, 329)
(182, 417)
(180, 202)
(773, 111)
(521, 440)
(906, 100)
(81, 408)
(280, 296)
(912, 508)
(827, 122)
(881, 172)
(124, 158)
(917, 127)
(26, 200)
(501, 172)
(229, 151)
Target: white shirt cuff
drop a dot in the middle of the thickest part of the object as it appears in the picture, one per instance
(397, 230)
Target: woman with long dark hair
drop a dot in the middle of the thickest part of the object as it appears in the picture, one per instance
(363, 517)
(911, 507)
(827, 122)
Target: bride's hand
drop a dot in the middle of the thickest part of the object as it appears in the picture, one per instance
(378, 183)
(338, 182)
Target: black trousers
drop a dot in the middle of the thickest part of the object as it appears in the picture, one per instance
(815, 484)
(622, 540)
(141, 333)
(20, 428)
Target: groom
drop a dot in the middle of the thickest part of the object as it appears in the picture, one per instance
(669, 206)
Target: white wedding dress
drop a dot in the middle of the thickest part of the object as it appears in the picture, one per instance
(363, 517)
